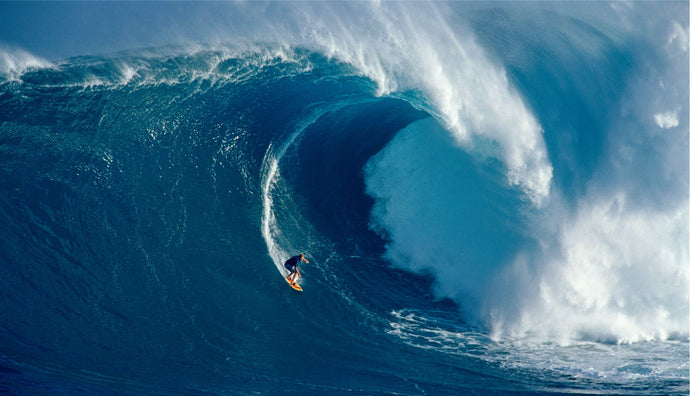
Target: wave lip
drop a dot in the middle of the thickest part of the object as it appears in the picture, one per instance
(438, 66)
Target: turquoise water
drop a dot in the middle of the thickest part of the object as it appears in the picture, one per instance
(493, 199)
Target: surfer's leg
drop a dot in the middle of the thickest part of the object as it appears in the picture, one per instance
(293, 272)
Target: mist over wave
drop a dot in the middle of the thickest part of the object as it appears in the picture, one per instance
(14, 62)
(613, 262)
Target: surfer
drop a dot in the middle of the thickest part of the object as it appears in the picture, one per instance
(291, 265)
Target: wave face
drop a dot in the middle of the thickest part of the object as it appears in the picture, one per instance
(492, 199)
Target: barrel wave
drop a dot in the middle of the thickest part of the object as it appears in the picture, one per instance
(487, 207)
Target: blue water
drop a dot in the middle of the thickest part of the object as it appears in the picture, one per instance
(493, 198)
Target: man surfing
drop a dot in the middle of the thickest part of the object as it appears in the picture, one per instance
(291, 265)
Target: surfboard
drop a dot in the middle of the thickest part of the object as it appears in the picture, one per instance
(294, 285)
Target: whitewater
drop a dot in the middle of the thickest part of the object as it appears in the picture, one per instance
(493, 198)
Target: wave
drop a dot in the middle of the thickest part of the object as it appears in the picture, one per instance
(486, 132)
(483, 196)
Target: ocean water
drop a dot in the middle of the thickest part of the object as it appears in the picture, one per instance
(493, 198)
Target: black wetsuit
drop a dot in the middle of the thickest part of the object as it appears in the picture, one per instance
(291, 264)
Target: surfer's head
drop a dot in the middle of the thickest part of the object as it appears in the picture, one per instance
(301, 256)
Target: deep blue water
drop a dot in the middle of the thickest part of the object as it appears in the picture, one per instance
(493, 199)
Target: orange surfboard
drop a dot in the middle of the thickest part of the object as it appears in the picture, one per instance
(294, 285)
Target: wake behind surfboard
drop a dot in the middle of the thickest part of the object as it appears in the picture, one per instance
(294, 285)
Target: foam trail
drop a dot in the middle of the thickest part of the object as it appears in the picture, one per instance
(268, 217)
(272, 235)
